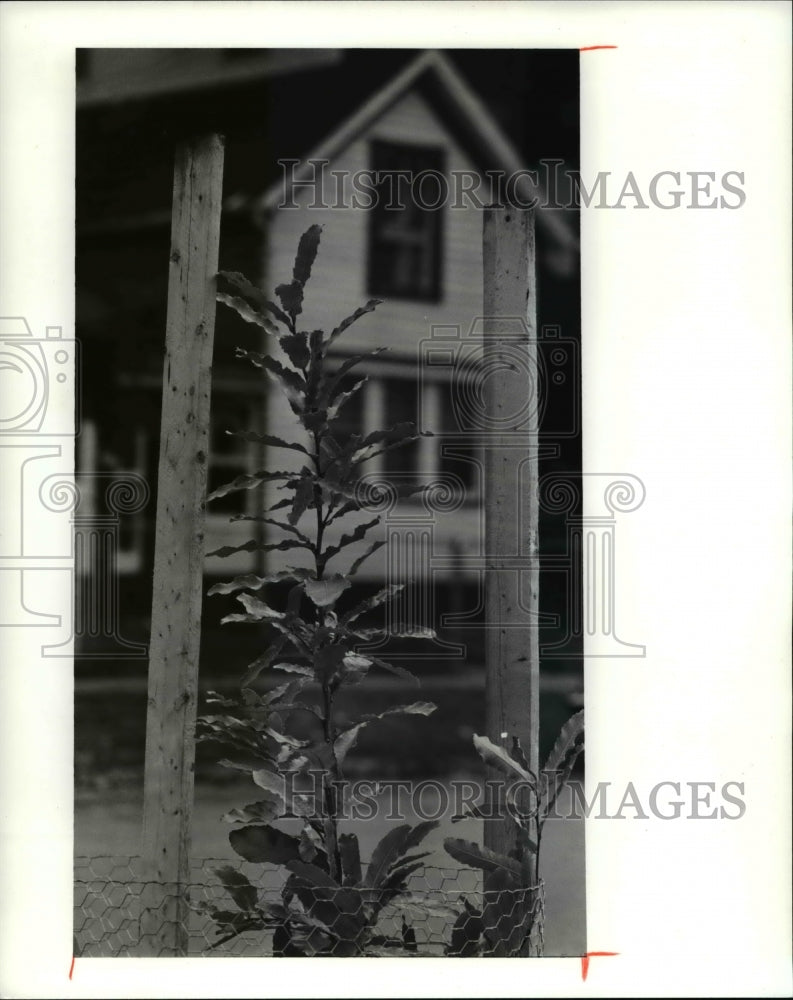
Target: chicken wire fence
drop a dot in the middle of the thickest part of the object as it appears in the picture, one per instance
(445, 911)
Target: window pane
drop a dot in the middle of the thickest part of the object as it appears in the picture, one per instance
(451, 439)
(405, 239)
(401, 405)
(350, 418)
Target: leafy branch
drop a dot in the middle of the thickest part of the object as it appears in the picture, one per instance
(328, 906)
(512, 911)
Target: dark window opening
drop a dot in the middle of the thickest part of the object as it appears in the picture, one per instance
(404, 231)
(458, 456)
(401, 406)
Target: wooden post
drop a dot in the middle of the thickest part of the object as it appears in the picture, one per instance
(511, 507)
(179, 544)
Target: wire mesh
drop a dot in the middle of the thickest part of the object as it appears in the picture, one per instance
(443, 911)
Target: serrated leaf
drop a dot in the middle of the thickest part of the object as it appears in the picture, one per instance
(251, 699)
(285, 692)
(415, 708)
(293, 383)
(270, 440)
(284, 738)
(326, 662)
(297, 632)
(385, 853)
(250, 582)
(343, 397)
(312, 419)
(269, 780)
(257, 608)
(265, 845)
(291, 298)
(370, 306)
(378, 442)
(398, 671)
(335, 379)
(329, 450)
(396, 882)
(568, 736)
(214, 697)
(394, 886)
(312, 874)
(311, 847)
(248, 482)
(419, 831)
(244, 762)
(294, 668)
(356, 668)
(346, 741)
(247, 312)
(473, 856)
(301, 501)
(262, 811)
(561, 761)
(316, 350)
(255, 546)
(350, 855)
(295, 346)
(498, 757)
(253, 295)
(231, 923)
(237, 618)
(526, 846)
(381, 597)
(259, 664)
(306, 254)
(389, 856)
(350, 539)
(516, 753)
(326, 591)
(338, 909)
(362, 559)
(346, 508)
(283, 525)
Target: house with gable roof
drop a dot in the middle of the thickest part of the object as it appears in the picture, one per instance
(426, 266)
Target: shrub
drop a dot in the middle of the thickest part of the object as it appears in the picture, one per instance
(328, 904)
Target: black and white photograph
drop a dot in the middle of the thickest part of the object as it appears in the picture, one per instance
(395, 525)
(362, 458)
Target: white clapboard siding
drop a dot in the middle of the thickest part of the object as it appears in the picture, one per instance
(338, 286)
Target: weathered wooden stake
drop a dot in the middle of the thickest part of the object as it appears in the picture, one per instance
(511, 508)
(179, 544)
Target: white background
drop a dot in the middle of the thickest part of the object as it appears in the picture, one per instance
(686, 334)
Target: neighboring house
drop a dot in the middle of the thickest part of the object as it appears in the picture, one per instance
(426, 265)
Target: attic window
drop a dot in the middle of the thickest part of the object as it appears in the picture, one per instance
(404, 232)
